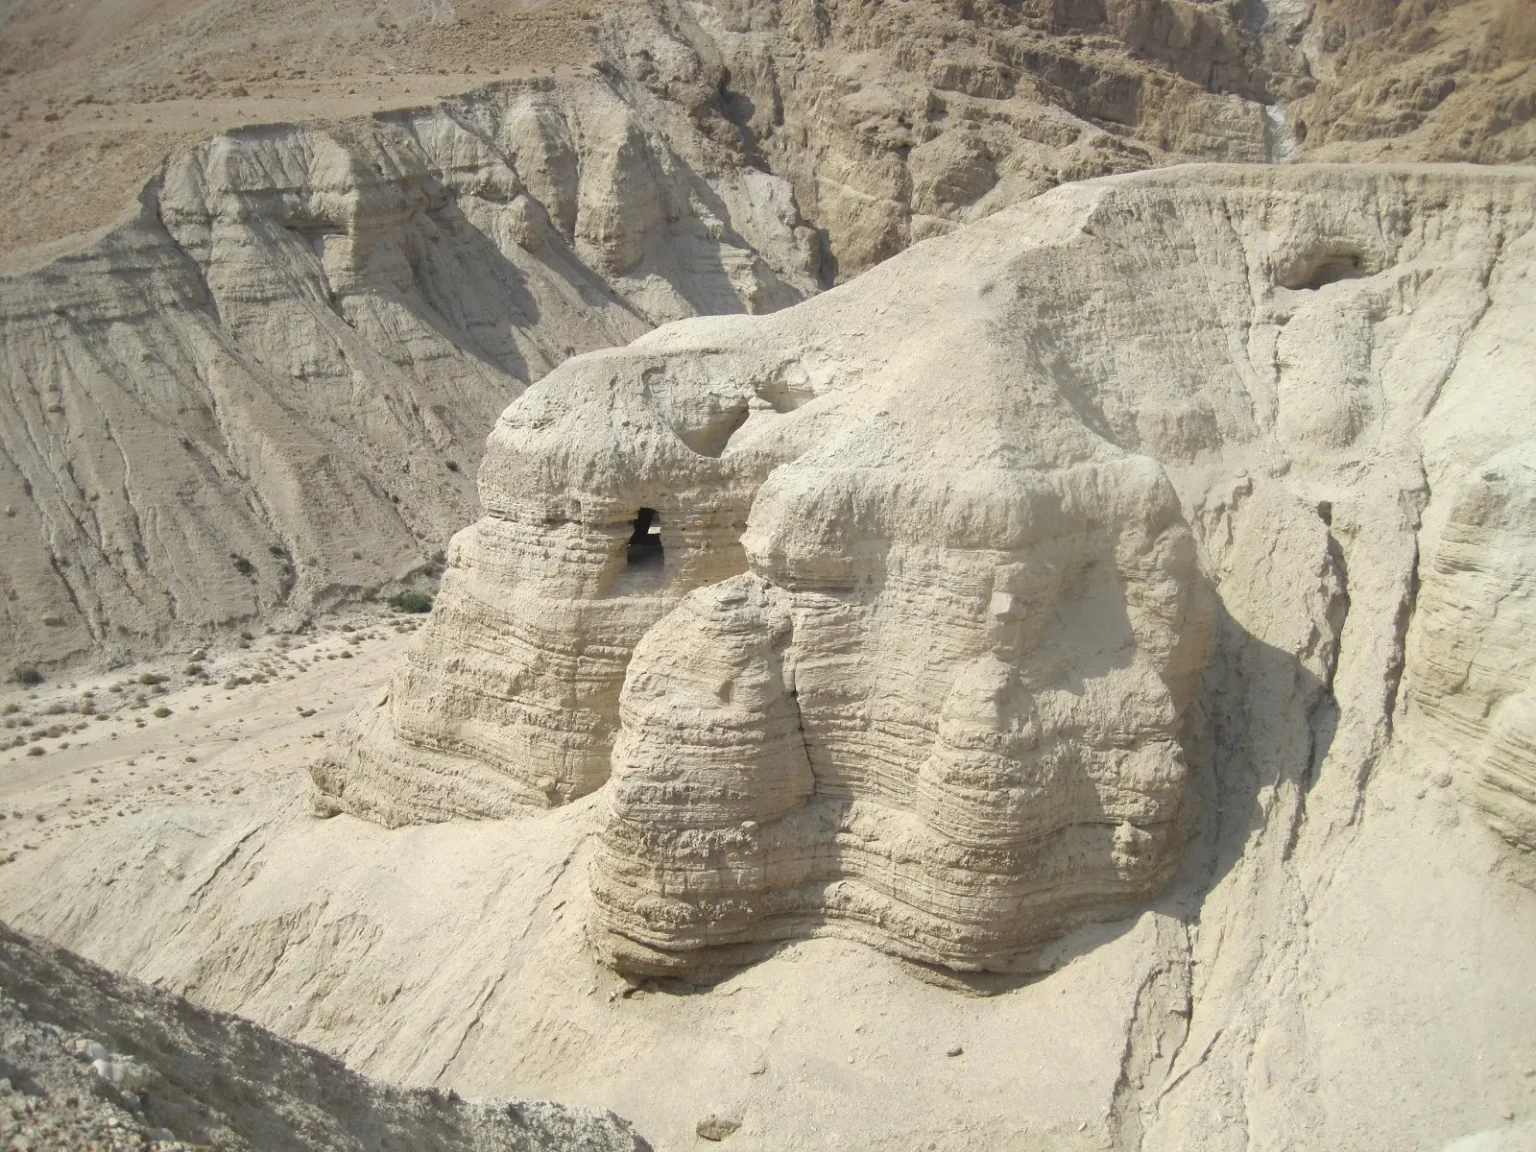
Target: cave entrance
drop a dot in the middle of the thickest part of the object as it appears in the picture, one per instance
(645, 549)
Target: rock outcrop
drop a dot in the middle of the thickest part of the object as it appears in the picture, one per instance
(267, 389)
(1422, 80)
(1475, 681)
(94, 1060)
(898, 122)
(270, 387)
(889, 606)
(1330, 368)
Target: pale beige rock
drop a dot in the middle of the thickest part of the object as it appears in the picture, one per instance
(369, 283)
(1472, 665)
(1340, 959)
(941, 706)
(894, 123)
(952, 736)
(268, 390)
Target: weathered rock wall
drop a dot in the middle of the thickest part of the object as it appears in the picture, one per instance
(895, 123)
(330, 315)
(1329, 365)
(270, 387)
(939, 693)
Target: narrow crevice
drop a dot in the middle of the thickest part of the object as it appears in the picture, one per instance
(1324, 714)
(1400, 623)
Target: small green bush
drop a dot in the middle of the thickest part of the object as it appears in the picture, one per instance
(151, 678)
(29, 677)
(161, 712)
(411, 602)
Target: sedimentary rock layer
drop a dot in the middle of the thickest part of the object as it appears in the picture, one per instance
(332, 312)
(1476, 669)
(889, 606)
(270, 387)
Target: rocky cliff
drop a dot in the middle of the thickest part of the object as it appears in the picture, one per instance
(886, 614)
(267, 389)
(1111, 597)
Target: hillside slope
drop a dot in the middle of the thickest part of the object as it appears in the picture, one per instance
(93, 1060)
(266, 389)
(897, 715)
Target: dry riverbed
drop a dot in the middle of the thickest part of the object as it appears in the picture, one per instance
(221, 726)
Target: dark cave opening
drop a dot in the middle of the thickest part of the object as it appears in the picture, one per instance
(645, 550)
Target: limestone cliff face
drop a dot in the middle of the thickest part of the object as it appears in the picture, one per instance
(267, 389)
(1475, 671)
(955, 748)
(898, 122)
(1425, 80)
(887, 614)
(270, 387)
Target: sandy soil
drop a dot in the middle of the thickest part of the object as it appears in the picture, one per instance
(807, 1049)
(113, 743)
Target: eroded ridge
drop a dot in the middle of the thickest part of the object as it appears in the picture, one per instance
(886, 615)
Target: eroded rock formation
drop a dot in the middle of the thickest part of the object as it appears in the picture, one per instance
(1476, 682)
(913, 656)
(897, 122)
(330, 314)
(270, 387)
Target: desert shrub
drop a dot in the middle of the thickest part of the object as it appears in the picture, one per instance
(151, 678)
(35, 750)
(27, 676)
(161, 712)
(411, 602)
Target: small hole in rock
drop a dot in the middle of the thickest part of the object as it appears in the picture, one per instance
(645, 549)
